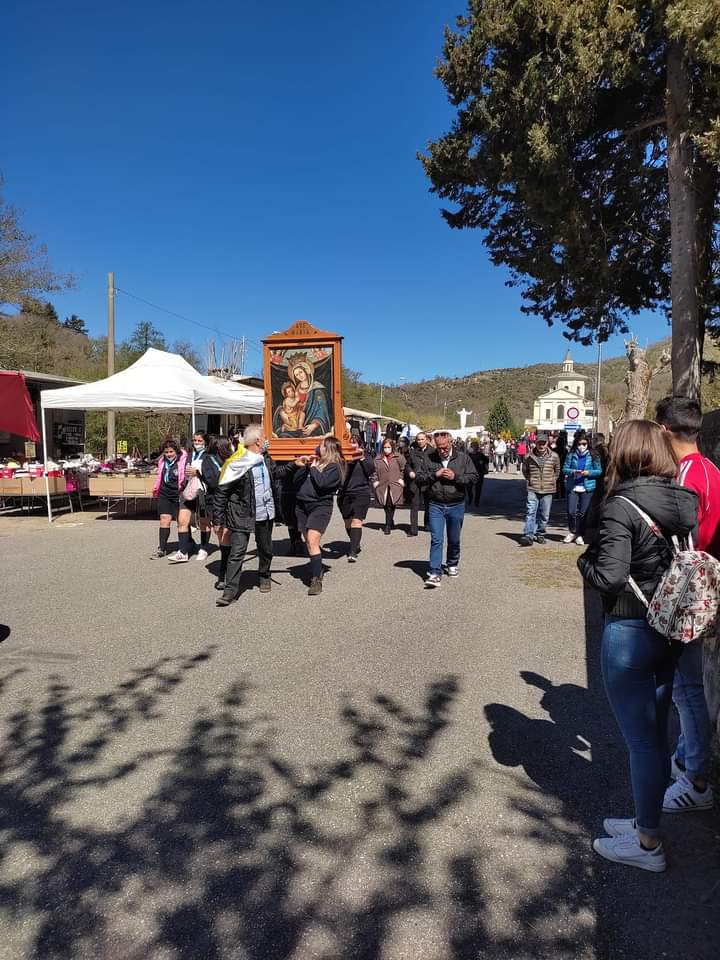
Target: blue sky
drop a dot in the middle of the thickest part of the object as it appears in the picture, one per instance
(246, 164)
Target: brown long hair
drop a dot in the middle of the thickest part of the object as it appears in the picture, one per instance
(331, 454)
(639, 448)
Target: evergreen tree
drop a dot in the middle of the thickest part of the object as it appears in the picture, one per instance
(585, 146)
(73, 322)
(144, 336)
(500, 419)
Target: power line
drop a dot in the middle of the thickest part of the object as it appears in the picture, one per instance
(180, 316)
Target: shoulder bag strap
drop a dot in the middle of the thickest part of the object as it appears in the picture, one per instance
(658, 533)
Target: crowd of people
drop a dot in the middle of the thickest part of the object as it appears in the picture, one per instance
(626, 501)
(237, 490)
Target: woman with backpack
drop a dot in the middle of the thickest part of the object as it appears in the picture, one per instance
(637, 662)
(581, 470)
(317, 480)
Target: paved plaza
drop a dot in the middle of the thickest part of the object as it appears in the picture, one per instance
(379, 773)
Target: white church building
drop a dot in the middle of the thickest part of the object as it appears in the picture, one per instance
(564, 406)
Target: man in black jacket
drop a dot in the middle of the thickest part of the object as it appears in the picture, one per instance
(415, 468)
(446, 475)
(248, 504)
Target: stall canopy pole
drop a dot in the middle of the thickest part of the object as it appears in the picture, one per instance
(193, 412)
(45, 460)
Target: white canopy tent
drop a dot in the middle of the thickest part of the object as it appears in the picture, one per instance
(157, 381)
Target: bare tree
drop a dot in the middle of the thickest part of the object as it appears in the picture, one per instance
(639, 377)
(24, 267)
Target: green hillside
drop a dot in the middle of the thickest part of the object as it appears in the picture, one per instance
(434, 402)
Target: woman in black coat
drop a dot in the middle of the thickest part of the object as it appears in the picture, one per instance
(637, 663)
(354, 497)
(317, 480)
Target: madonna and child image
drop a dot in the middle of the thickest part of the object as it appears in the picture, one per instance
(301, 385)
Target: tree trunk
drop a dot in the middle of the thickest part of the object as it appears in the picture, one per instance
(687, 286)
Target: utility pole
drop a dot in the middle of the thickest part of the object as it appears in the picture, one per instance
(382, 388)
(111, 450)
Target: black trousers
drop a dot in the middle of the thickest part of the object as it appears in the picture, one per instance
(473, 492)
(239, 540)
(418, 495)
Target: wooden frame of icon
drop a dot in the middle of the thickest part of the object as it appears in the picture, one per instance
(302, 373)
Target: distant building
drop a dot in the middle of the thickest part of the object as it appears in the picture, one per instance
(564, 406)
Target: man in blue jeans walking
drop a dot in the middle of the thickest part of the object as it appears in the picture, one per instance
(541, 469)
(447, 473)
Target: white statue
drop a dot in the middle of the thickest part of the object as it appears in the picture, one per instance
(463, 414)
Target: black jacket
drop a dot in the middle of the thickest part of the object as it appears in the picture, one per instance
(626, 546)
(442, 490)
(480, 462)
(358, 476)
(210, 474)
(234, 503)
(317, 486)
(416, 461)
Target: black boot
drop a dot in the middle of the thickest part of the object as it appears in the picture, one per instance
(315, 587)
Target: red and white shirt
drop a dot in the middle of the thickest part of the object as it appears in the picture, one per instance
(701, 475)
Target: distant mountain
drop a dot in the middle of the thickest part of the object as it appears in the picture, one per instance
(434, 402)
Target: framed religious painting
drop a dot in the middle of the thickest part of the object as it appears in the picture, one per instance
(303, 390)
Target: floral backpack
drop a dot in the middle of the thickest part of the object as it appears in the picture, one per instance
(686, 602)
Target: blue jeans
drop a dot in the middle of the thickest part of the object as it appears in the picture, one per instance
(440, 517)
(537, 504)
(578, 505)
(638, 666)
(693, 746)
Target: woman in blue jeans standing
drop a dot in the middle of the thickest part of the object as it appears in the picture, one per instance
(581, 470)
(637, 663)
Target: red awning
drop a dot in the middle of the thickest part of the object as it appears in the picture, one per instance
(16, 411)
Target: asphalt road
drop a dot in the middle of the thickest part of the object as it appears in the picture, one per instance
(378, 773)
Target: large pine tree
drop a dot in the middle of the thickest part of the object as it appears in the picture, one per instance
(586, 145)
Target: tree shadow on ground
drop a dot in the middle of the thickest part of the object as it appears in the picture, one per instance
(221, 847)
(577, 766)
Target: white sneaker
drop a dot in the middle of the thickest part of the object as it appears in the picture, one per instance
(615, 827)
(626, 849)
(579, 541)
(570, 538)
(202, 554)
(178, 557)
(433, 580)
(452, 571)
(684, 797)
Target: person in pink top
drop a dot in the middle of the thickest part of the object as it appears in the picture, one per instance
(681, 417)
(521, 451)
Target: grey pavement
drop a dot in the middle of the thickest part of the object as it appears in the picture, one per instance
(378, 773)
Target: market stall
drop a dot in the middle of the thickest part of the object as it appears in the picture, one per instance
(158, 381)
